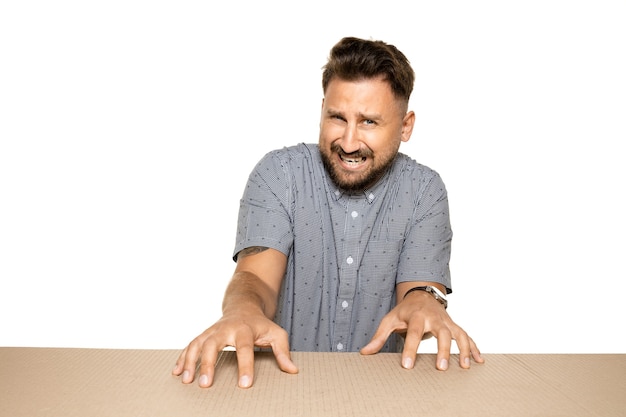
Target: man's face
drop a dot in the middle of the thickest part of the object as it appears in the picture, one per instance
(361, 127)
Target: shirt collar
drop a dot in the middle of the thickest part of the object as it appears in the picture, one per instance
(369, 194)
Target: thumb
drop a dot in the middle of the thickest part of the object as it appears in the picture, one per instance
(280, 347)
(377, 342)
(388, 325)
(285, 363)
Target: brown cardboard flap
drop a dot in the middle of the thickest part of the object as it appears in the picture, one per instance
(101, 382)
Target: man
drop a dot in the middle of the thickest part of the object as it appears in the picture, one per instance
(343, 245)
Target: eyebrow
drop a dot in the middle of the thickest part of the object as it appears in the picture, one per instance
(373, 116)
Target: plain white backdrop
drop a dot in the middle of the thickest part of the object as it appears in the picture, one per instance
(128, 129)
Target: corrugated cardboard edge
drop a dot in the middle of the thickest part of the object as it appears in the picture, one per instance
(101, 382)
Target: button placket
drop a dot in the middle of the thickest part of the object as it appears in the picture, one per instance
(348, 274)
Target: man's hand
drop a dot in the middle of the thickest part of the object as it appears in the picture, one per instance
(242, 331)
(249, 301)
(419, 314)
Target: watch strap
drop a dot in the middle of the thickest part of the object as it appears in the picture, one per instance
(432, 291)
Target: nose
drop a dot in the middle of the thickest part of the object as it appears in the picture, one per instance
(350, 139)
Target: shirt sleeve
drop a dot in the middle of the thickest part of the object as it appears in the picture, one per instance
(425, 255)
(264, 218)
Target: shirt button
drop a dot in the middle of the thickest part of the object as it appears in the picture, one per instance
(344, 304)
(354, 214)
(349, 260)
(340, 346)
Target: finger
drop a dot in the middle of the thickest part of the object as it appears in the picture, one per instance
(379, 338)
(280, 347)
(190, 361)
(475, 352)
(462, 341)
(245, 360)
(178, 368)
(411, 344)
(208, 359)
(444, 341)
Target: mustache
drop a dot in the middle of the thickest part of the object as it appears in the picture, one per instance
(361, 153)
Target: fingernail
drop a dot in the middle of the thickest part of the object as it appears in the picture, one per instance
(466, 361)
(407, 363)
(185, 376)
(443, 365)
(203, 380)
(244, 381)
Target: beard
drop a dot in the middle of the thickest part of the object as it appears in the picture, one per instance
(355, 181)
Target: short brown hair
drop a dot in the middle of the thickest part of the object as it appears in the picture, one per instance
(353, 59)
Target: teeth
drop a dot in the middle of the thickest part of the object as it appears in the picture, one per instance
(353, 161)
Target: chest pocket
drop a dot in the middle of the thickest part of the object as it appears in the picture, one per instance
(379, 267)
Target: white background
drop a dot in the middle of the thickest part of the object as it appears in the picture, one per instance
(128, 129)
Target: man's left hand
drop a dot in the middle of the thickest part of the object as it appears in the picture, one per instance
(417, 315)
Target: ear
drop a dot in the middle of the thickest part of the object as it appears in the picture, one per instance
(407, 126)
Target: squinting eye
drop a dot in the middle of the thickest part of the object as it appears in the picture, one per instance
(369, 122)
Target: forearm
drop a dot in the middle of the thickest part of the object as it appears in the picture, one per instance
(246, 291)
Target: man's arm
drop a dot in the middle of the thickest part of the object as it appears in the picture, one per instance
(418, 313)
(257, 280)
(248, 308)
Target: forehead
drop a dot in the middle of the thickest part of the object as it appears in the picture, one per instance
(372, 92)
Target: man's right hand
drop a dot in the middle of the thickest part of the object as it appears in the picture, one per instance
(249, 302)
(243, 332)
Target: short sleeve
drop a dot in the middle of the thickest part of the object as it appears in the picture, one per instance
(264, 218)
(426, 251)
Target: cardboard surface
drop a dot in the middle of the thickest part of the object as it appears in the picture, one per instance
(99, 382)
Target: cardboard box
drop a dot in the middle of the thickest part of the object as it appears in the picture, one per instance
(99, 382)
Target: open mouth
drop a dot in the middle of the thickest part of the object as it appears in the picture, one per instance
(353, 161)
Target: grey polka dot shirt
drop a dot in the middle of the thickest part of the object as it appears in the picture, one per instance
(345, 252)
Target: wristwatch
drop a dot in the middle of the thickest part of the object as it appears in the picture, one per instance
(439, 296)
